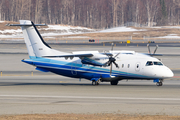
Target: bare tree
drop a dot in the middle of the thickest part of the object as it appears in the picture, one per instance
(122, 9)
(92, 13)
(152, 8)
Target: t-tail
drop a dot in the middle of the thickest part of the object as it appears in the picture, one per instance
(35, 44)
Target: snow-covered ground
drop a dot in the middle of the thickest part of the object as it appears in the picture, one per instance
(56, 30)
(121, 29)
(11, 33)
(170, 36)
(51, 31)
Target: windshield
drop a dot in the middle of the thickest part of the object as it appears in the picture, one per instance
(157, 63)
(150, 63)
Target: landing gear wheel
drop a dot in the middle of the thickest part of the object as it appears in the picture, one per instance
(159, 83)
(95, 82)
(114, 82)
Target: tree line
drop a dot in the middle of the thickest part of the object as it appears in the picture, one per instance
(93, 13)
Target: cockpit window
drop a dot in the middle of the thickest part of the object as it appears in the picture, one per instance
(157, 63)
(149, 63)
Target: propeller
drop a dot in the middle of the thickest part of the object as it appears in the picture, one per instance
(112, 59)
(149, 50)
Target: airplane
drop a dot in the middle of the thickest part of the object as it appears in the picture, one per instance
(112, 66)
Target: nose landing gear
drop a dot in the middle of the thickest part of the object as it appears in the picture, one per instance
(158, 82)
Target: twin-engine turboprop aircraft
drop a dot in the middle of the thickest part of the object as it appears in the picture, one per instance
(97, 67)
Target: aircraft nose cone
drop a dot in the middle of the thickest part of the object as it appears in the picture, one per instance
(163, 72)
(167, 73)
(170, 73)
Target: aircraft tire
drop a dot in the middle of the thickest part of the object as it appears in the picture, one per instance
(159, 83)
(114, 82)
(94, 83)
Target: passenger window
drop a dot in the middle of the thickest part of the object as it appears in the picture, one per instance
(128, 65)
(137, 66)
(149, 63)
(122, 65)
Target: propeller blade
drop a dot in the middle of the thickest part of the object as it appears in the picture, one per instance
(116, 64)
(111, 69)
(149, 49)
(116, 55)
(109, 55)
(109, 63)
(156, 49)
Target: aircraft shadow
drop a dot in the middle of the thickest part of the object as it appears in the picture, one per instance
(68, 84)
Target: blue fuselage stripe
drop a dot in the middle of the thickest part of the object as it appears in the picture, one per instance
(80, 70)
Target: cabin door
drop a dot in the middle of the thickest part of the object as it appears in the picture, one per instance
(137, 66)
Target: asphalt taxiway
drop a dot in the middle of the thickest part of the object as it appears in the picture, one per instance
(24, 93)
(55, 94)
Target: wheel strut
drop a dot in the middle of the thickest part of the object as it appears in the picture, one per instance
(95, 82)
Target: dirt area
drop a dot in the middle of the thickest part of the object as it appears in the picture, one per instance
(88, 117)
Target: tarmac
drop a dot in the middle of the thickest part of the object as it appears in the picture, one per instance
(23, 90)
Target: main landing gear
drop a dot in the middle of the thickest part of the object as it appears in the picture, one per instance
(114, 82)
(96, 82)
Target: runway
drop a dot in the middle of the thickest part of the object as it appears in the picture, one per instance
(54, 94)
(24, 93)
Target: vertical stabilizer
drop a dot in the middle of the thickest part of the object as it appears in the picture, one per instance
(36, 46)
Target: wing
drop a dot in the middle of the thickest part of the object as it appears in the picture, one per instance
(162, 54)
(71, 55)
(80, 55)
(87, 57)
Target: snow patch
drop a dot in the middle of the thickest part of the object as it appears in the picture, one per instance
(11, 36)
(52, 30)
(120, 29)
(12, 31)
(174, 36)
(176, 27)
(64, 27)
(77, 37)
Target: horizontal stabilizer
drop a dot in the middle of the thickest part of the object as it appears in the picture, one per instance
(25, 25)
